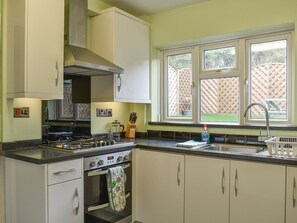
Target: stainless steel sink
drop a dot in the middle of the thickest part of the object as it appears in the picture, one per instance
(240, 149)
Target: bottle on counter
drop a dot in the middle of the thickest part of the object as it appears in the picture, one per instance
(205, 137)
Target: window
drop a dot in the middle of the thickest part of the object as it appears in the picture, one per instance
(219, 83)
(178, 84)
(268, 60)
(214, 83)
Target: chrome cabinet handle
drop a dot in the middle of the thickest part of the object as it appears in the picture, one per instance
(236, 183)
(294, 192)
(76, 199)
(63, 172)
(119, 85)
(178, 174)
(58, 73)
(223, 180)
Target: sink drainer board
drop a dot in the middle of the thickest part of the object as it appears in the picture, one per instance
(235, 148)
(282, 146)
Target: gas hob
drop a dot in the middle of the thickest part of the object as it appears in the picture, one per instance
(86, 145)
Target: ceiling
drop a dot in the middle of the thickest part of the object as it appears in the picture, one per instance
(148, 7)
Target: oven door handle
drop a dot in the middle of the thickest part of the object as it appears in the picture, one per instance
(101, 206)
(103, 172)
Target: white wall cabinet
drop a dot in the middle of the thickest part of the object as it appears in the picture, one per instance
(257, 192)
(206, 190)
(160, 187)
(291, 207)
(123, 39)
(47, 193)
(35, 36)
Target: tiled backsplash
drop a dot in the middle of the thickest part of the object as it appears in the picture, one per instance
(214, 138)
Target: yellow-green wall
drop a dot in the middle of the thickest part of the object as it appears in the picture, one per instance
(214, 20)
(199, 22)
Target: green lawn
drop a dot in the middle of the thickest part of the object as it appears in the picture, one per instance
(220, 118)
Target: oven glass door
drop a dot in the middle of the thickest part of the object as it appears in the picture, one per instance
(97, 209)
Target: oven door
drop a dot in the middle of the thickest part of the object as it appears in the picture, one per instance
(97, 209)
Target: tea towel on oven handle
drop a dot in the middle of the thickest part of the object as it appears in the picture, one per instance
(116, 188)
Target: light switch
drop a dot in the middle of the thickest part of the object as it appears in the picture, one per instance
(23, 112)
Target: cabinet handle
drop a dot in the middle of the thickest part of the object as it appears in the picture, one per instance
(63, 172)
(58, 73)
(178, 174)
(76, 200)
(223, 181)
(119, 85)
(294, 192)
(236, 183)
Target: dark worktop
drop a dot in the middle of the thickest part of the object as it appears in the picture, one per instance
(170, 146)
(40, 155)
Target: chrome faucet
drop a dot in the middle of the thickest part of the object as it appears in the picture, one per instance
(260, 138)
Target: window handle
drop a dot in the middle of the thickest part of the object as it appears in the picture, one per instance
(193, 88)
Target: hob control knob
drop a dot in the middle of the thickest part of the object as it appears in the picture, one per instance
(100, 162)
(126, 157)
(92, 164)
(120, 159)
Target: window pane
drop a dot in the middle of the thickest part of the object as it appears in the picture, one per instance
(220, 100)
(268, 74)
(219, 58)
(179, 68)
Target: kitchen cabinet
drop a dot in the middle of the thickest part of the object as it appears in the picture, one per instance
(291, 206)
(35, 38)
(159, 187)
(46, 193)
(206, 190)
(257, 192)
(124, 40)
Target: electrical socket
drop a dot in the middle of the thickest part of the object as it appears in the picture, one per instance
(103, 112)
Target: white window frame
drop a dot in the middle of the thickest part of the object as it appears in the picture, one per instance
(241, 70)
(164, 84)
(237, 71)
(215, 46)
(269, 38)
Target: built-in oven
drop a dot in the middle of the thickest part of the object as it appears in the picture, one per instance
(96, 199)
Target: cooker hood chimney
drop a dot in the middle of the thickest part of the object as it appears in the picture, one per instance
(78, 60)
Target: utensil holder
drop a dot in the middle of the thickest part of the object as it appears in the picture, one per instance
(130, 131)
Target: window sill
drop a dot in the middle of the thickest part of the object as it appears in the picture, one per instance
(235, 126)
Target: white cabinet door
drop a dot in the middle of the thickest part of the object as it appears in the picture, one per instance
(65, 203)
(132, 53)
(160, 187)
(257, 193)
(291, 207)
(124, 40)
(206, 190)
(35, 48)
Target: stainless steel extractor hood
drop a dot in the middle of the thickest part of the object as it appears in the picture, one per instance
(78, 60)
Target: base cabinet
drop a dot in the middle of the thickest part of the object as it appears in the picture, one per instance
(47, 193)
(160, 187)
(291, 198)
(67, 197)
(215, 190)
(257, 192)
(206, 190)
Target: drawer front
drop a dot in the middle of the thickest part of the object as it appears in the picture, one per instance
(64, 171)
